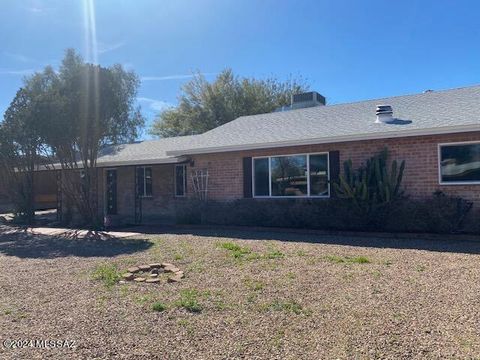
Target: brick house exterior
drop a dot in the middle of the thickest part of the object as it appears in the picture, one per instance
(420, 154)
(414, 128)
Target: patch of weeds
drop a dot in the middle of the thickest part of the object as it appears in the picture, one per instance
(189, 301)
(107, 273)
(348, 276)
(143, 299)
(278, 338)
(301, 253)
(286, 306)
(237, 251)
(198, 266)
(183, 322)
(335, 259)
(124, 290)
(421, 268)
(291, 275)
(178, 257)
(158, 306)
(376, 291)
(251, 298)
(346, 259)
(187, 325)
(7, 312)
(253, 285)
(377, 274)
(274, 254)
(359, 260)
(387, 262)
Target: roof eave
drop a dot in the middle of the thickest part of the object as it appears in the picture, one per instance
(329, 140)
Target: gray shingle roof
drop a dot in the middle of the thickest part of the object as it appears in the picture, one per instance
(144, 152)
(444, 111)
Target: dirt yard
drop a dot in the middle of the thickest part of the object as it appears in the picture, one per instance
(246, 294)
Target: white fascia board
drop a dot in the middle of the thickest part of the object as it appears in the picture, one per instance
(330, 140)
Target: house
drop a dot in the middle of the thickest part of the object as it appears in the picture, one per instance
(298, 152)
(45, 192)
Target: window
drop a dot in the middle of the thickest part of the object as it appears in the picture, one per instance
(144, 181)
(180, 180)
(459, 163)
(291, 176)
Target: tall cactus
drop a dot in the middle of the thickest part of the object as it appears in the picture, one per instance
(372, 185)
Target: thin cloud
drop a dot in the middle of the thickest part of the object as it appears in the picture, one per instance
(16, 72)
(173, 77)
(19, 57)
(154, 104)
(104, 48)
(37, 9)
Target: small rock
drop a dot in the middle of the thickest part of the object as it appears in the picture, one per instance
(164, 265)
(139, 279)
(154, 271)
(128, 276)
(155, 265)
(144, 267)
(153, 275)
(122, 282)
(180, 274)
(133, 269)
(175, 278)
(153, 281)
(172, 269)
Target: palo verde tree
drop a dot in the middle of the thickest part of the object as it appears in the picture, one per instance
(204, 105)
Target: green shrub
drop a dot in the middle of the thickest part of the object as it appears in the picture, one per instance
(108, 273)
(236, 250)
(438, 214)
(189, 301)
(158, 306)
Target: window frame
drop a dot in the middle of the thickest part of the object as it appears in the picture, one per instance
(308, 196)
(184, 180)
(439, 163)
(144, 195)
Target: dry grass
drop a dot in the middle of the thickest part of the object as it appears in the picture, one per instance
(245, 295)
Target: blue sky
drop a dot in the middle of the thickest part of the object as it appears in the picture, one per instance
(347, 50)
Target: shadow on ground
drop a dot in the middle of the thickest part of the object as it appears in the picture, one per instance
(24, 244)
(465, 244)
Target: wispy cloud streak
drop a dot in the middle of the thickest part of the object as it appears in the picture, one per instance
(16, 72)
(104, 48)
(173, 77)
(19, 57)
(154, 104)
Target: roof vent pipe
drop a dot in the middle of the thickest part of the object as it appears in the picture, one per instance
(384, 114)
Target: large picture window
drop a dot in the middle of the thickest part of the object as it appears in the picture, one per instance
(304, 175)
(460, 163)
(144, 181)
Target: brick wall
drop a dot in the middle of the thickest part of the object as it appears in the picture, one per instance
(420, 154)
(157, 208)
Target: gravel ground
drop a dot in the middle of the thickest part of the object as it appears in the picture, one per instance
(284, 296)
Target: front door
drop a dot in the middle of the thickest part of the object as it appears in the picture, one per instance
(111, 192)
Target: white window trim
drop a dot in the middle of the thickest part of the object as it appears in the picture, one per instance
(144, 195)
(439, 158)
(184, 180)
(308, 177)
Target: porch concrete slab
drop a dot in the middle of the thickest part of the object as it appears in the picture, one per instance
(80, 234)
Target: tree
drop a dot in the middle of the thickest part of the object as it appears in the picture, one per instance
(66, 118)
(20, 144)
(93, 107)
(204, 106)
